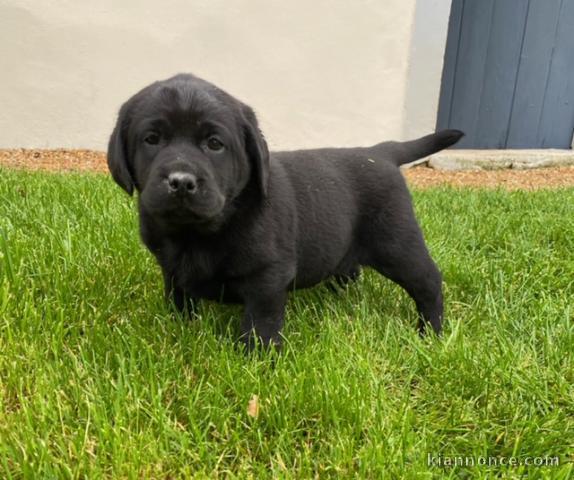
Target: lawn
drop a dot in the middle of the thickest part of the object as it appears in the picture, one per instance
(98, 378)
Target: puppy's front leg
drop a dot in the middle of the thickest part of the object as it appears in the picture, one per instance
(263, 319)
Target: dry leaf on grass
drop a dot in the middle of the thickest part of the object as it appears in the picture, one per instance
(253, 406)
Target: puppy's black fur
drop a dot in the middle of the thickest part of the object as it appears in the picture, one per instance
(229, 221)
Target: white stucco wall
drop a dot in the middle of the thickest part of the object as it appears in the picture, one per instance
(326, 72)
(427, 47)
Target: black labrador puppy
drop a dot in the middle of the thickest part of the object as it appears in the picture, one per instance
(229, 221)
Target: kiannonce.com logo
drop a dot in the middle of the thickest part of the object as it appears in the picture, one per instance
(479, 461)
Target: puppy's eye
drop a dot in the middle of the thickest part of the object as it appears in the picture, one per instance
(214, 144)
(152, 138)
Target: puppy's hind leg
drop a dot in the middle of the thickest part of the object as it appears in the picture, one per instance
(399, 253)
(419, 276)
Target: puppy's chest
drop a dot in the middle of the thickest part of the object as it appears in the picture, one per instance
(206, 272)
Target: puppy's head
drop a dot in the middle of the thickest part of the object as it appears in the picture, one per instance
(189, 149)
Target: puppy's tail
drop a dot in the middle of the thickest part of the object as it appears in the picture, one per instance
(400, 153)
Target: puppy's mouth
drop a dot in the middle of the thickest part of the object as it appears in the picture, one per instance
(203, 210)
(182, 211)
(193, 217)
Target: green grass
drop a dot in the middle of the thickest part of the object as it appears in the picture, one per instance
(99, 379)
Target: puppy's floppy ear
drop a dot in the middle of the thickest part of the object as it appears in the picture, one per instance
(117, 155)
(256, 148)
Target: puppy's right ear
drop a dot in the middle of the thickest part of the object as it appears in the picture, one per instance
(117, 156)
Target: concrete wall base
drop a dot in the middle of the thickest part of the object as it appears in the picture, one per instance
(498, 159)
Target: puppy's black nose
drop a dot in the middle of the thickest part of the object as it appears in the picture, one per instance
(181, 182)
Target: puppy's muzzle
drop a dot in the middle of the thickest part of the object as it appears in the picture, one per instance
(182, 183)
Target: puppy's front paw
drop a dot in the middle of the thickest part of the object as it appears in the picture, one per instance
(253, 342)
(185, 306)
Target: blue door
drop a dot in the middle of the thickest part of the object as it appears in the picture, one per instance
(508, 77)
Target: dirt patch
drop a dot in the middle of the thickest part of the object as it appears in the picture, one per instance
(509, 179)
(54, 160)
(93, 161)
